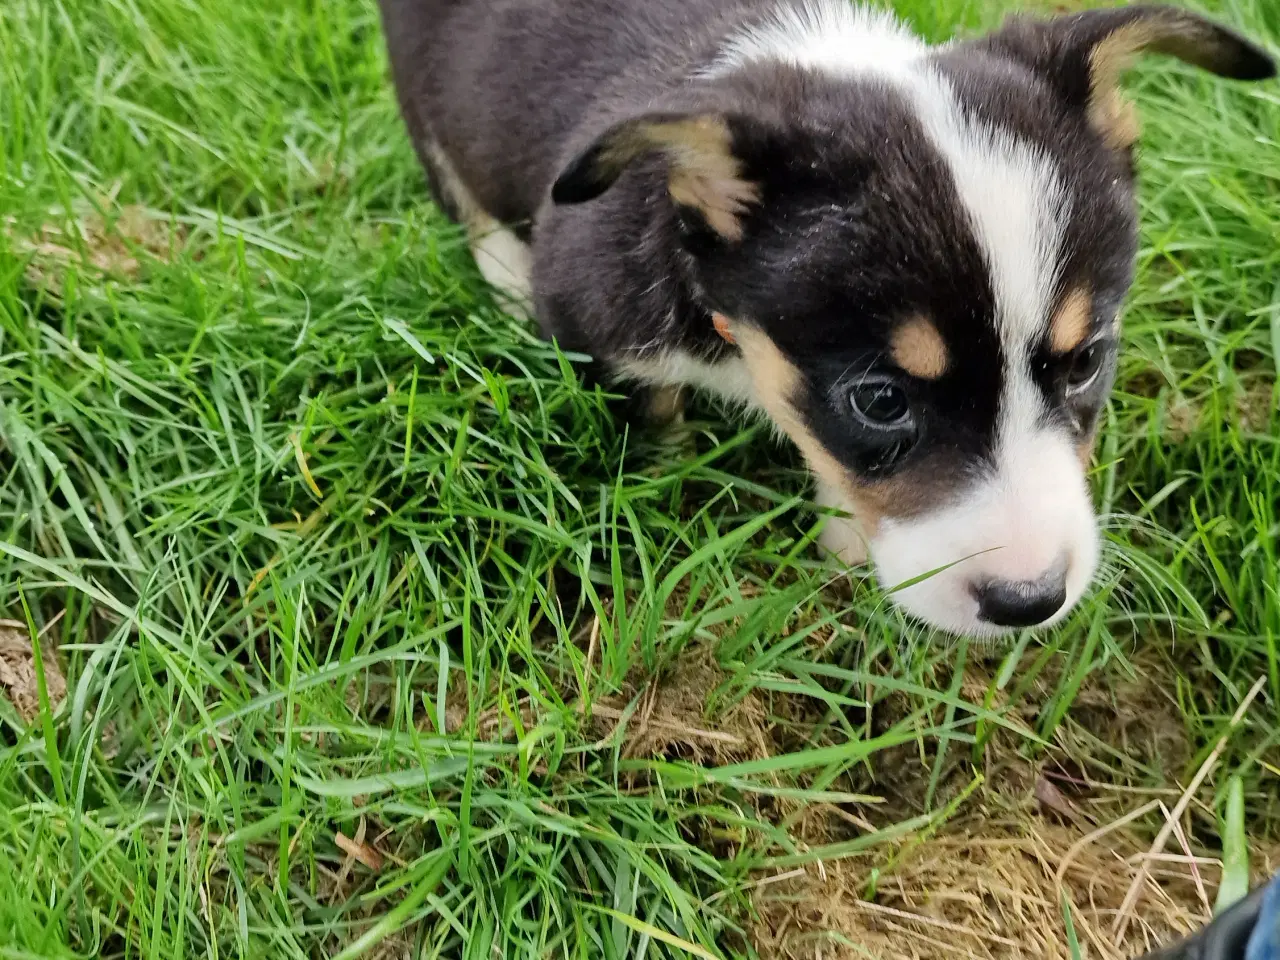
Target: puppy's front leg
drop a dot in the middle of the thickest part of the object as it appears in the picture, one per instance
(842, 535)
(664, 407)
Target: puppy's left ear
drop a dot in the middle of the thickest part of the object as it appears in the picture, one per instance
(1085, 54)
(705, 176)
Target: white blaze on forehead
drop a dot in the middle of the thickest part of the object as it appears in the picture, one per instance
(1016, 203)
(834, 37)
(1018, 208)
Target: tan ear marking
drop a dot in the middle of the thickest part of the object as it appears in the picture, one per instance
(1113, 116)
(918, 348)
(704, 173)
(1071, 323)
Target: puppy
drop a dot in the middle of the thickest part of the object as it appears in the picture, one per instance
(911, 258)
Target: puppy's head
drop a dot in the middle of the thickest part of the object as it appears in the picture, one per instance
(921, 254)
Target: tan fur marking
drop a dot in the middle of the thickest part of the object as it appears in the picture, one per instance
(1084, 450)
(723, 327)
(1113, 116)
(705, 174)
(1116, 119)
(776, 381)
(918, 348)
(1070, 325)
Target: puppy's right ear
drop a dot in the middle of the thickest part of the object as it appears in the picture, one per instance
(1084, 55)
(705, 176)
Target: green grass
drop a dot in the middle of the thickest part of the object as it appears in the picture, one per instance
(324, 538)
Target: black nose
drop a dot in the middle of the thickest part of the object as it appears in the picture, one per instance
(1022, 603)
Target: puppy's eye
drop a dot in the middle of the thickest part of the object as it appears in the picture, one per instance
(880, 403)
(1085, 366)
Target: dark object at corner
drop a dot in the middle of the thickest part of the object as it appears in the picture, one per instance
(1227, 936)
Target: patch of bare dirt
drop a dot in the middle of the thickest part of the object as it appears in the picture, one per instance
(1256, 406)
(114, 247)
(671, 717)
(1182, 419)
(18, 671)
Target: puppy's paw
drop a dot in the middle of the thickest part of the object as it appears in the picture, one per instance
(664, 416)
(842, 536)
(663, 407)
(842, 539)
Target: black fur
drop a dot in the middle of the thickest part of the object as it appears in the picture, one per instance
(858, 224)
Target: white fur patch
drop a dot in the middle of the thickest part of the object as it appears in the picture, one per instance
(728, 378)
(1035, 506)
(830, 36)
(504, 260)
(506, 263)
(841, 535)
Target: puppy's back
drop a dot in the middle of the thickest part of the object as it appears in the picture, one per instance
(498, 86)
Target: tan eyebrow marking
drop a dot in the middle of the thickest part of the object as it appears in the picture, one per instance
(1070, 325)
(918, 348)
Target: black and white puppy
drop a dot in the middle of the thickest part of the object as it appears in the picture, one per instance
(911, 257)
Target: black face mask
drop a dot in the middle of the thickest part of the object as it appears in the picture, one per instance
(1249, 930)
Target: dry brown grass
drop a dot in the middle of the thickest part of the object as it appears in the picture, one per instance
(668, 717)
(115, 246)
(985, 887)
(18, 671)
(990, 882)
